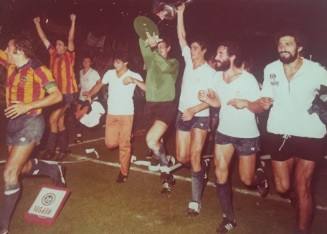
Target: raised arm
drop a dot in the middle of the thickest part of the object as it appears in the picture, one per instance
(71, 34)
(94, 90)
(180, 26)
(40, 32)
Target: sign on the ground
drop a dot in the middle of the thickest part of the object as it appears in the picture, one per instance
(47, 205)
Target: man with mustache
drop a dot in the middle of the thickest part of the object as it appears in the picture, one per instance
(296, 138)
(236, 93)
(30, 87)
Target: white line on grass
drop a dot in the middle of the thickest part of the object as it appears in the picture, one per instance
(272, 197)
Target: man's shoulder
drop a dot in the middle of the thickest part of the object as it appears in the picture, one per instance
(274, 64)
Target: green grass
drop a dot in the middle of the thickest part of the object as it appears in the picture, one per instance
(99, 205)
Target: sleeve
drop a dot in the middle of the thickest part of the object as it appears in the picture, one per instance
(267, 89)
(3, 58)
(322, 75)
(96, 76)
(137, 76)
(186, 52)
(106, 78)
(254, 90)
(45, 77)
(146, 52)
(71, 56)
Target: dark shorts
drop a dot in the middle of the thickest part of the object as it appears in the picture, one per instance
(195, 122)
(67, 101)
(284, 147)
(162, 111)
(25, 129)
(243, 146)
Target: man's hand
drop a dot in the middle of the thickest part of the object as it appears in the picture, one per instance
(207, 95)
(73, 17)
(152, 40)
(238, 103)
(187, 115)
(17, 109)
(37, 20)
(265, 102)
(181, 8)
(128, 80)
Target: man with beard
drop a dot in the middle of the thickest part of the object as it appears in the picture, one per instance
(296, 138)
(192, 121)
(236, 93)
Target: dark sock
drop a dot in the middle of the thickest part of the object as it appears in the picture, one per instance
(224, 195)
(63, 140)
(52, 141)
(197, 186)
(161, 155)
(11, 196)
(44, 169)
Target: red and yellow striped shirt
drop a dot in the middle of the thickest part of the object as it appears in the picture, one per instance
(62, 67)
(27, 83)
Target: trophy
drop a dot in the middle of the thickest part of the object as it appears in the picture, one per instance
(167, 9)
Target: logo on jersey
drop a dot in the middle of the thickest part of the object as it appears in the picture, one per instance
(273, 80)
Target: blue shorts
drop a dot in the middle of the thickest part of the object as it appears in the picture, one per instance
(25, 130)
(195, 122)
(243, 146)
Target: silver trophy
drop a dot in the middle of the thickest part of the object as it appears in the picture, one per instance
(167, 10)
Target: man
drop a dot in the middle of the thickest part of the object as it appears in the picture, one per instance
(27, 85)
(236, 93)
(62, 60)
(88, 78)
(121, 85)
(161, 77)
(296, 138)
(192, 122)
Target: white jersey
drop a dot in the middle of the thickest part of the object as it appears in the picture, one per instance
(292, 99)
(235, 122)
(120, 96)
(93, 117)
(87, 81)
(194, 80)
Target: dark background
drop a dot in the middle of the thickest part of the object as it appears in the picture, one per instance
(251, 22)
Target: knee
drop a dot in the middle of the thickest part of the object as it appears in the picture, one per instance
(247, 180)
(282, 187)
(10, 175)
(111, 145)
(221, 175)
(152, 144)
(182, 158)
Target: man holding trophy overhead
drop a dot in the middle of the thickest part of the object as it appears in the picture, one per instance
(161, 77)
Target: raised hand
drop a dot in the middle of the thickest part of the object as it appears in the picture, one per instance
(181, 8)
(37, 20)
(152, 40)
(72, 17)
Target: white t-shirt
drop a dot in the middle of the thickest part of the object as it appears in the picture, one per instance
(292, 99)
(93, 117)
(235, 122)
(120, 96)
(194, 80)
(87, 81)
